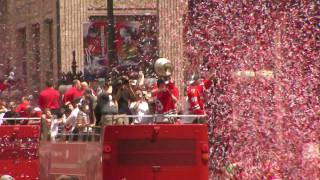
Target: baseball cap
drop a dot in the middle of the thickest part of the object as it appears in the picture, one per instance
(6, 177)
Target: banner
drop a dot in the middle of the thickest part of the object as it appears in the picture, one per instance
(95, 49)
(136, 44)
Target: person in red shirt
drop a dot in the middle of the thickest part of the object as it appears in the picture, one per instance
(195, 100)
(196, 94)
(166, 97)
(24, 109)
(3, 85)
(50, 98)
(73, 93)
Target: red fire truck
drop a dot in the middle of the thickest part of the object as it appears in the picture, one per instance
(159, 151)
(128, 152)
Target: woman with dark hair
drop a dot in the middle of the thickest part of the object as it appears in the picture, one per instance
(124, 95)
(106, 105)
(140, 107)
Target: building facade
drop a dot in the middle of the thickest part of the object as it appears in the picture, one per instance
(29, 41)
(38, 37)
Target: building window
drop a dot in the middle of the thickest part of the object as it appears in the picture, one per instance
(22, 53)
(36, 55)
(3, 8)
(49, 30)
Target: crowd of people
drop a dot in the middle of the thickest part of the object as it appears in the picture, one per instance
(118, 101)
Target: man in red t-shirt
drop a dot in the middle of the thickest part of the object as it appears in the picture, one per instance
(50, 98)
(166, 97)
(73, 93)
(24, 109)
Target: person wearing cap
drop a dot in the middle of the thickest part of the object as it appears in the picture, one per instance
(6, 177)
(36, 112)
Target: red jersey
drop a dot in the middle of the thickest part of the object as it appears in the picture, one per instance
(164, 101)
(49, 98)
(195, 100)
(72, 94)
(195, 95)
(3, 86)
(23, 110)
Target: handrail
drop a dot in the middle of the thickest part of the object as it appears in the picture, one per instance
(155, 115)
(122, 115)
(20, 118)
(94, 133)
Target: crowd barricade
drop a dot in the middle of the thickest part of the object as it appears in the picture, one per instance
(159, 150)
(19, 148)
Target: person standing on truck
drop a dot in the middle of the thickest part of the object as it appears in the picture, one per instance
(24, 109)
(106, 107)
(90, 102)
(50, 98)
(124, 95)
(196, 93)
(75, 92)
(140, 107)
(166, 97)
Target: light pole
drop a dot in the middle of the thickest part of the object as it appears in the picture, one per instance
(111, 35)
(74, 65)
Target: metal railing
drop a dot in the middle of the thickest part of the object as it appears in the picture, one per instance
(21, 120)
(93, 133)
(155, 117)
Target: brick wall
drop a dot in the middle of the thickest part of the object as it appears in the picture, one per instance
(73, 13)
(171, 13)
(20, 51)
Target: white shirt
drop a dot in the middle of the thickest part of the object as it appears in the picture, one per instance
(71, 120)
(142, 109)
(2, 115)
(54, 128)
